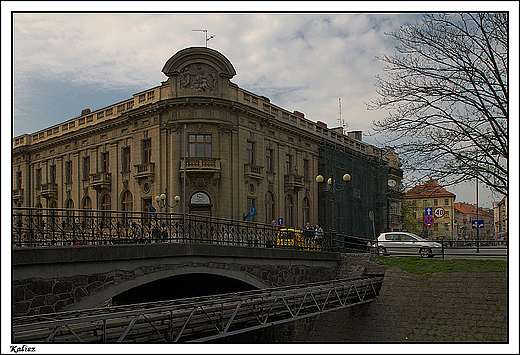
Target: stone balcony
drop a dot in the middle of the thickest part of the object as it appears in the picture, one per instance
(253, 171)
(144, 171)
(17, 194)
(99, 181)
(49, 191)
(293, 181)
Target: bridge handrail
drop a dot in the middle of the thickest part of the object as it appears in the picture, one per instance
(45, 227)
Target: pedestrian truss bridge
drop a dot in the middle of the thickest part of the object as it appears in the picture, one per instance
(198, 319)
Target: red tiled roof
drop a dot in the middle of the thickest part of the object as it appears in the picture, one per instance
(468, 208)
(429, 190)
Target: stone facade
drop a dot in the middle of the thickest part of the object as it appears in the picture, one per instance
(236, 149)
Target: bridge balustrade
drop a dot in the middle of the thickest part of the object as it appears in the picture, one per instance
(46, 227)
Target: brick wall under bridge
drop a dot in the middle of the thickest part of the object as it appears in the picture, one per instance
(54, 279)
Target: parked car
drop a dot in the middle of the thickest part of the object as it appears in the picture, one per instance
(406, 243)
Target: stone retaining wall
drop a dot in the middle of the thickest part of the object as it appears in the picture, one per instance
(39, 296)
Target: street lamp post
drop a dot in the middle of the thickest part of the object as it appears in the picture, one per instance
(333, 188)
(162, 200)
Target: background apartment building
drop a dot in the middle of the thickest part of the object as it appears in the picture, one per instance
(431, 196)
(197, 135)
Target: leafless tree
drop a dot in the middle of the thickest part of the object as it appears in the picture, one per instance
(446, 92)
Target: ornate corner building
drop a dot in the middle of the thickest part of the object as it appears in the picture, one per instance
(196, 135)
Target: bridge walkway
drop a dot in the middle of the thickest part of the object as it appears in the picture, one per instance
(197, 319)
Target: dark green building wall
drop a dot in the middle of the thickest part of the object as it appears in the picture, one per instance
(366, 191)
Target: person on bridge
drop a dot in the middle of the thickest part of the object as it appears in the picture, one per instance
(318, 236)
(308, 233)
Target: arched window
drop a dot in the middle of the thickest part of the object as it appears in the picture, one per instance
(39, 216)
(128, 201)
(52, 222)
(106, 206)
(288, 210)
(87, 205)
(69, 204)
(305, 210)
(269, 207)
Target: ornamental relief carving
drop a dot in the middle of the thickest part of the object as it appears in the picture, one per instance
(200, 77)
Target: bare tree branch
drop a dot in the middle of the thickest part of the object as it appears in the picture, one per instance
(446, 92)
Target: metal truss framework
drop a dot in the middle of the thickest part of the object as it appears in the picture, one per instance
(196, 319)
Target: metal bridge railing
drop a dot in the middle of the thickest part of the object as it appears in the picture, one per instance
(44, 227)
(196, 319)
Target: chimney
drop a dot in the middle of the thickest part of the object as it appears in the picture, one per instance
(357, 135)
(299, 114)
(85, 112)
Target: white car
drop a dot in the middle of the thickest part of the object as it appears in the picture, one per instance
(406, 243)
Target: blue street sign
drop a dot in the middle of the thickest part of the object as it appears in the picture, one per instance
(280, 221)
(478, 223)
(428, 211)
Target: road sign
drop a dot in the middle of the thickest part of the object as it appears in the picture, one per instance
(428, 221)
(478, 223)
(280, 221)
(428, 211)
(439, 212)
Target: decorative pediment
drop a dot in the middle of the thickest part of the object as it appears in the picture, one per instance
(202, 61)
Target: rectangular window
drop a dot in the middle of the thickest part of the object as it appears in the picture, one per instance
(68, 172)
(38, 178)
(53, 174)
(126, 159)
(86, 168)
(19, 180)
(446, 202)
(435, 202)
(105, 162)
(250, 153)
(142, 98)
(305, 169)
(147, 151)
(200, 145)
(288, 164)
(269, 160)
(425, 203)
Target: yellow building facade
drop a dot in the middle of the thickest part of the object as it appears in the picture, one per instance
(433, 197)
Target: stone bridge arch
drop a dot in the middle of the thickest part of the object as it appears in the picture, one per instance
(113, 290)
(47, 280)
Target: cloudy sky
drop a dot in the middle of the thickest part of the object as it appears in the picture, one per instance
(66, 62)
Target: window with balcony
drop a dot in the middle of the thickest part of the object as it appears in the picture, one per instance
(251, 153)
(86, 168)
(38, 178)
(68, 172)
(147, 151)
(18, 180)
(269, 161)
(126, 159)
(105, 162)
(53, 174)
(288, 164)
(306, 169)
(200, 145)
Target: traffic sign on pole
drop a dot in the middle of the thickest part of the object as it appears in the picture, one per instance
(428, 221)
(478, 223)
(439, 212)
(428, 211)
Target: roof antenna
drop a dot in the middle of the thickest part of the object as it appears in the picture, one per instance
(340, 118)
(205, 35)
